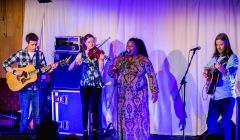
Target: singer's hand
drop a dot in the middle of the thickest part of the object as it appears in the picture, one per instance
(114, 70)
(112, 67)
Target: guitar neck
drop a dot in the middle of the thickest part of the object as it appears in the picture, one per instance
(43, 69)
(48, 67)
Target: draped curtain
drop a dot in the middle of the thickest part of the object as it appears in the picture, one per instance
(169, 28)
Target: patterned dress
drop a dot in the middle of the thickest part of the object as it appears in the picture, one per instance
(133, 111)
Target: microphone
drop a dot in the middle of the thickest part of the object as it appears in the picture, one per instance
(125, 53)
(196, 48)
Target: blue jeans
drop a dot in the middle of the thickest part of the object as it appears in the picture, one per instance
(223, 107)
(27, 97)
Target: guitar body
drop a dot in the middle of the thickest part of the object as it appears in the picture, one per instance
(214, 76)
(212, 81)
(16, 83)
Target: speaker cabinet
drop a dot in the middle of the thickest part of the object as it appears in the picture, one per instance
(62, 77)
(67, 111)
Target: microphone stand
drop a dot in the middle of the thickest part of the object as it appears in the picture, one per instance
(183, 83)
(115, 87)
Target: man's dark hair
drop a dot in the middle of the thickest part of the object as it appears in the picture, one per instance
(31, 37)
(228, 51)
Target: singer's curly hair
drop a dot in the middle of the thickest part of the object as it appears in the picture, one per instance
(140, 45)
(31, 37)
(228, 51)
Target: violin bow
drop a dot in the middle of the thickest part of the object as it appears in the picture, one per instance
(98, 46)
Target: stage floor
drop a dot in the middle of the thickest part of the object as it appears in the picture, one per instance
(10, 133)
(153, 137)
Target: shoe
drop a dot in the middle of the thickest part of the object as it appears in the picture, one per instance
(94, 135)
(85, 135)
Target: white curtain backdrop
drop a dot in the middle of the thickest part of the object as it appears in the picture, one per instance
(169, 28)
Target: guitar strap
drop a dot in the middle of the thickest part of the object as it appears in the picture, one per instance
(38, 82)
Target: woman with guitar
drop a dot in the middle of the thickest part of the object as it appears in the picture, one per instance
(91, 61)
(30, 93)
(221, 74)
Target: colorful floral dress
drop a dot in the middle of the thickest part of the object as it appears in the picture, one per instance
(133, 111)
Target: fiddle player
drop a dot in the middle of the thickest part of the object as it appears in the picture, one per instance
(91, 82)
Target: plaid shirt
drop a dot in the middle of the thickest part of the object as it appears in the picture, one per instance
(22, 59)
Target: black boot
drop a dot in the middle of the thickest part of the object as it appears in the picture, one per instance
(85, 135)
(94, 135)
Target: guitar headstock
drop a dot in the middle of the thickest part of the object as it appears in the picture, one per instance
(64, 61)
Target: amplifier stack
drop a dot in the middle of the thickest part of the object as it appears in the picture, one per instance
(66, 99)
(65, 47)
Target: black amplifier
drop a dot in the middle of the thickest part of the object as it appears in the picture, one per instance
(69, 48)
(68, 43)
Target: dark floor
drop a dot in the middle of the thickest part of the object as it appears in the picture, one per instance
(10, 133)
(153, 137)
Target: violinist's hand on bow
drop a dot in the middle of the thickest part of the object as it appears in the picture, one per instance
(113, 68)
(102, 57)
(78, 59)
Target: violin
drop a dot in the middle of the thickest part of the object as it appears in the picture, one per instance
(95, 52)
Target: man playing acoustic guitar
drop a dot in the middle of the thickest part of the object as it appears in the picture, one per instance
(30, 93)
(221, 74)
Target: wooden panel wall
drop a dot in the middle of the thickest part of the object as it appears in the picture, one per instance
(11, 29)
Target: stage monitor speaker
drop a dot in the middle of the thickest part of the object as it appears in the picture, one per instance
(62, 77)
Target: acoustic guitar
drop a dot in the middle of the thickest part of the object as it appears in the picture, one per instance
(29, 75)
(214, 76)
